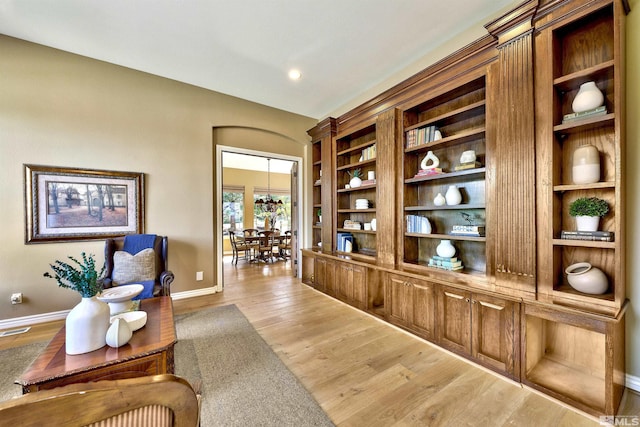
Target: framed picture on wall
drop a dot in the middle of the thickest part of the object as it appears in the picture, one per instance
(69, 204)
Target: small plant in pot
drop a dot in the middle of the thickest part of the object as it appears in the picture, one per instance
(587, 211)
(319, 215)
(356, 178)
(87, 323)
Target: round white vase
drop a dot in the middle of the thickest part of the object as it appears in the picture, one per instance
(587, 223)
(583, 277)
(588, 98)
(439, 200)
(445, 249)
(355, 182)
(586, 165)
(86, 326)
(119, 333)
(453, 196)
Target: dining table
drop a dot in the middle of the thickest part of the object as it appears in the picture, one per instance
(254, 241)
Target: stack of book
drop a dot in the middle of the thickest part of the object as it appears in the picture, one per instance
(597, 236)
(600, 111)
(468, 230)
(352, 225)
(444, 263)
(429, 172)
(469, 165)
(420, 136)
(368, 182)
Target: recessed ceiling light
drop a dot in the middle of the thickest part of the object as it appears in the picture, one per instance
(294, 74)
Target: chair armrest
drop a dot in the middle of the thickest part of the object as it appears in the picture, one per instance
(166, 278)
(107, 283)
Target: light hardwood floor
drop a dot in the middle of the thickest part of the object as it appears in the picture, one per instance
(362, 371)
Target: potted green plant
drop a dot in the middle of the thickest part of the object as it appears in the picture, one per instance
(356, 178)
(319, 213)
(87, 323)
(587, 211)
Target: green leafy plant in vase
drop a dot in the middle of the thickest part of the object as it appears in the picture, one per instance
(356, 178)
(588, 211)
(87, 323)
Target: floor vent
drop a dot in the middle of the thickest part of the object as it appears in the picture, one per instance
(14, 332)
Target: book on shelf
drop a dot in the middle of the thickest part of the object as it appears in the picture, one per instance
(420, 136)
(599, 236)
(437, 263)
(418, 224)
(368, 182)
(465, 166)
(341, 240)
(599, 111)
(352, 225)
(468, 229)
(369, 153)
(445, 259)
(443, 267)
(429, 172)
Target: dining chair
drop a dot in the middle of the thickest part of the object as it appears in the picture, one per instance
(284, 247)
(237, 245)
(267, 242)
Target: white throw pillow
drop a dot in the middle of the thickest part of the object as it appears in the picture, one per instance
(129, 268)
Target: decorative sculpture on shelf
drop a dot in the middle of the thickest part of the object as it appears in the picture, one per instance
(429, 157)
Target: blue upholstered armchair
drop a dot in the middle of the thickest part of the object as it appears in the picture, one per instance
(140, 258)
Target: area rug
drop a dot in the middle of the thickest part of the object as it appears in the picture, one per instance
(242, 381)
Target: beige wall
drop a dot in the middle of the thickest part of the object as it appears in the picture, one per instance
(62, 109)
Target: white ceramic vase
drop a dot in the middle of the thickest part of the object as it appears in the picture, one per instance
(119, 333)
(445, 249)
(588, 98)
(439, 200)
(583, 277)
(355, 182)
(453, 196)
(86, 326)
(586, 165)
(587, 223)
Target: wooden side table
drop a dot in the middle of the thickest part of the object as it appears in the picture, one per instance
(149, 352)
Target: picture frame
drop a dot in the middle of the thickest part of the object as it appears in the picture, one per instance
(89, 204)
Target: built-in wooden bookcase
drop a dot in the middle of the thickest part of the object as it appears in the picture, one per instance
(583, 48)
(316, 215)
(356, 150)
(459, 116)
(573, 343)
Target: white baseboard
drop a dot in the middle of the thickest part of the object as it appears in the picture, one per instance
(632, 382)
(17, 322)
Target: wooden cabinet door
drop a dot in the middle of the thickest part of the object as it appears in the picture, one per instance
(424, 308)
(400, 301)
(493, 327)
(351, 284)
(325, 275)
(454, 313)
(412, 304)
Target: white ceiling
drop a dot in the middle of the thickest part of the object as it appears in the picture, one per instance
(245, 48)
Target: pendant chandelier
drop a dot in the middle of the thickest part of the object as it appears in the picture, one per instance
(268, 205)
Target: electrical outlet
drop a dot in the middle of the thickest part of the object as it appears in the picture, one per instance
(199, 276)
(16, 298)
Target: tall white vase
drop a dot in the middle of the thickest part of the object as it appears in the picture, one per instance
(86, 326)
(453, 196)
